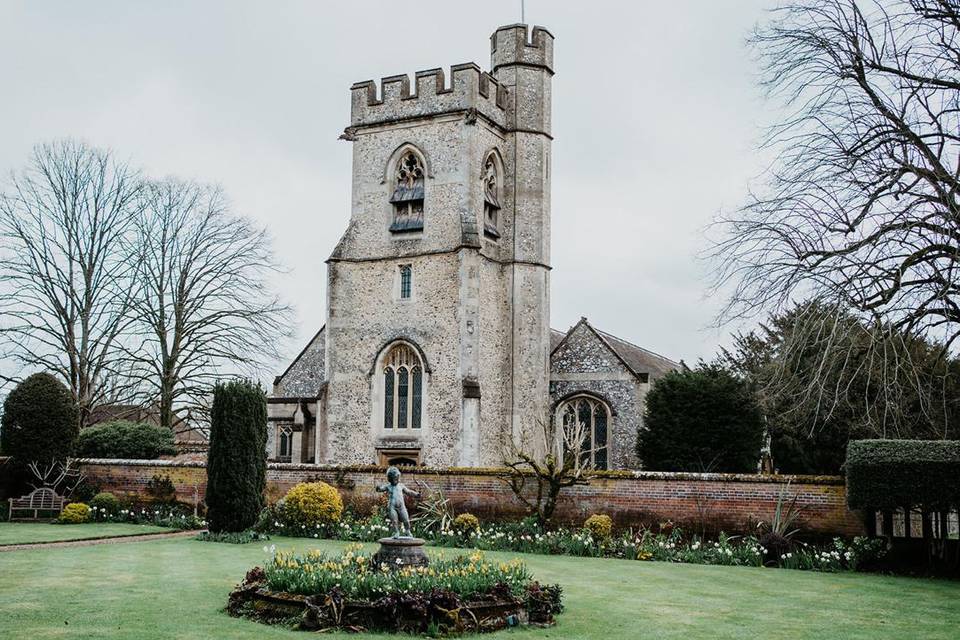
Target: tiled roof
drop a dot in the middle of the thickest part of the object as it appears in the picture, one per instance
(640, 360)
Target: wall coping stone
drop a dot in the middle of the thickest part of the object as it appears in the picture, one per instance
(667, 476)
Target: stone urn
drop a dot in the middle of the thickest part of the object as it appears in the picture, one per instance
(400, 552)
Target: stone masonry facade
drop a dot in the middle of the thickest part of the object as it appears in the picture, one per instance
(437, 347)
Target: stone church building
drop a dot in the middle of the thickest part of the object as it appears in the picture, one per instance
(437, 345)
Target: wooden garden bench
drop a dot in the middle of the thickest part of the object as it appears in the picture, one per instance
(44, 499)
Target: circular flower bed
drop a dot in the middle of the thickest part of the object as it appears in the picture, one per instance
(466, 593)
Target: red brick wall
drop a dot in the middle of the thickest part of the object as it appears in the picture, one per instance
(734, 503)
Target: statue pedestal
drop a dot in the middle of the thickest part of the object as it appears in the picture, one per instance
(401, 552)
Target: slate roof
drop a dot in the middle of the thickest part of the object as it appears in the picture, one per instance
(640, 360)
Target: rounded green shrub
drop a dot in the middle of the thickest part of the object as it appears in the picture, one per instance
(105, 501)
(312, 503)
(74, 513)
(237, 459)
(599, 525)
(701, 420)
(466, 523)
(40, 422)
(126, 440)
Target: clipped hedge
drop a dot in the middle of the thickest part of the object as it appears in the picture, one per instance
(237, 461)
(889, 474)
(126, 440)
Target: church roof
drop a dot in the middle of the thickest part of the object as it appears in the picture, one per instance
(638, 359)
(556, 337)
(641, 362)
(304, 377)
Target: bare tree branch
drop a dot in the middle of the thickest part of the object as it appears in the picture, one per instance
(862, 206)
(66, 261)
(202, 300)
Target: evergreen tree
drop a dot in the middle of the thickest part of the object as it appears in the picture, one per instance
(823, 377)
(701, 420)
(40, 424)
(237, 461)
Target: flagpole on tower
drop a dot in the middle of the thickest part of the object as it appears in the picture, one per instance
(523, 12)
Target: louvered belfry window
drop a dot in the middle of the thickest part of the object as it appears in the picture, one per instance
(403, 388)
(407, 198)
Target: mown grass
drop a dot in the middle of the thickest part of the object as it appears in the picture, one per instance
(27, 532)
(178, 588)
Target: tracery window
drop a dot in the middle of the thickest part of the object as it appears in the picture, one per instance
(592, 418)
(491, 198)
(285, 442)
(402, 388)
(407, 198)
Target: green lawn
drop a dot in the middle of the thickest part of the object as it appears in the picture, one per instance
(177, 589)
(25, 532)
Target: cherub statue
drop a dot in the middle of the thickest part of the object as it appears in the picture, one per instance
(396, 508)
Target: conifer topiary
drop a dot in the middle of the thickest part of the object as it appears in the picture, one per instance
(40, 424)
(237, 460)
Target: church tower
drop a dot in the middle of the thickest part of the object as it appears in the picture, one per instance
(438, 333)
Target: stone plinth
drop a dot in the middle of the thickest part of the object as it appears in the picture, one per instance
(401, 552)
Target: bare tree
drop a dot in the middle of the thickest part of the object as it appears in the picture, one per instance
(62, 477)
(65, 266)
(203, 300)
(551, 457)
(861, 208)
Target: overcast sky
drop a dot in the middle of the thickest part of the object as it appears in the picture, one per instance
(656, 120)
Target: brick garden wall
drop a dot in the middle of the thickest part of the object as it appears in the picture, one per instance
(734, 503)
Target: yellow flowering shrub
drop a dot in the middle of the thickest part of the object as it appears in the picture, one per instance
(599, 525)
(74, 513)
(465, 523)
(310, 504)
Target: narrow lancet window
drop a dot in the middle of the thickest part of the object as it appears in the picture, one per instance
(406, 276)
(388, 398)
(403, 396)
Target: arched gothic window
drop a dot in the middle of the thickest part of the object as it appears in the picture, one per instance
(591, 418)
(402, 388)
(407, 198)
(285, 448)
(491, 198)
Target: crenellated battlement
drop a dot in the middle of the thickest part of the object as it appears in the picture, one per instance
(510, 45)
(469, 88)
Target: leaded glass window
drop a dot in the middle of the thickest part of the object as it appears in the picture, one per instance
(285, 448)
(588, 419)
(403, 388)
(406, 278)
